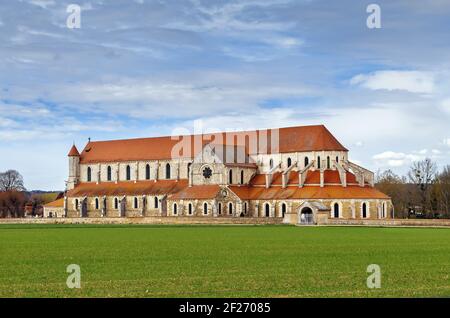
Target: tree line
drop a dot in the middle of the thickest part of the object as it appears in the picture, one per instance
(422, 192)
(12, 194)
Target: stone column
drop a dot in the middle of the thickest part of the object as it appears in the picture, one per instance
(104, 206)
(144, 205)
(214, 209)
(98, 173)
(136, 172)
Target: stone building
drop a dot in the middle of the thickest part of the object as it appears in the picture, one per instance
(299, 174)
(54, 209)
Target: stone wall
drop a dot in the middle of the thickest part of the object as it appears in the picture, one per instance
(226, 220)
(386, 222)
(144, 220)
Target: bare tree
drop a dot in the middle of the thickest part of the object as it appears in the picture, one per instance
(423, 174)
(12, 204)
(11, 180)
(394, 186)
(443, 190)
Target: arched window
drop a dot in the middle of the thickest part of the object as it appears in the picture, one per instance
(167, 171)
(136, 203)
(267, 209)
(205, 208)
(245, 208)
(147, 172)
(89, 174)
(128, 173)
(328, 162)
(76, 204)
(219, 208)
(156, 202)
(230, 176)
(337, 158)
(283, 209)
(318, 162)
(289, 162)
(189, 169)
(116, 203)
(383, 210)
(230, 208)
(109, 173)
(364, 210)
(242, 176)
(175, 209)
(271, 163)
(336, 210)
(190, 208)
(306, 161)
(96, 204)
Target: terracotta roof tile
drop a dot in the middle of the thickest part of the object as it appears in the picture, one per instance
(291, 139)
(128, 188)
(313, 177)
(73, 152)
(330, 176)
(308, 192)
(55, 204)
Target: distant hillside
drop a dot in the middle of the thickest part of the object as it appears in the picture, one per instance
(44, 196)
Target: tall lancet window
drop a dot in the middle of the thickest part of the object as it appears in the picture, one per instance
(167, 171)
(89, 174)
(128, 173)
(147, 172)
(109, 173)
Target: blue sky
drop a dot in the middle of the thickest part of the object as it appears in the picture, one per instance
(145, 68)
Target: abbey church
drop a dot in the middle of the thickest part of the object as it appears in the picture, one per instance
(296, 174)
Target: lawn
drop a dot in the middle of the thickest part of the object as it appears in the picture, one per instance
(222, 261)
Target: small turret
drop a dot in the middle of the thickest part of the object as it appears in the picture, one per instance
(73, 152)
(74, 167)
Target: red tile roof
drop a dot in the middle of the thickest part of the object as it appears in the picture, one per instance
(330, 176)
(179, 190)
(308, 192)
(128, 188)
(55, 204)
(73, 152)
(291, 139)
(313, 177)
(196, 192)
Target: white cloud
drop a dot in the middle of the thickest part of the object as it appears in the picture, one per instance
(395, 159)
(401, 159)
(411, 81)
(445, 105)
(43, 3)
(199, 96)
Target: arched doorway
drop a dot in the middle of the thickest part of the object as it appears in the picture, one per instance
(306, 216)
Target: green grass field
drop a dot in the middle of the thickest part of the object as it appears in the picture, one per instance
(222, 261)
